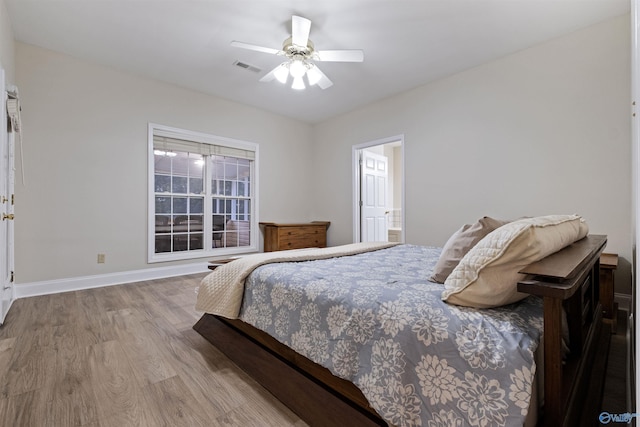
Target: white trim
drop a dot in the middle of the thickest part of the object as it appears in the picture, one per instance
(56, 286)
(355, 158)
(623, 301)
(8, 307)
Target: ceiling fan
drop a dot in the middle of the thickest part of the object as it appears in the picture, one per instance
(301, 54)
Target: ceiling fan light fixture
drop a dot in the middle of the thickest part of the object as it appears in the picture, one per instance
(297, 68)
(298, 83)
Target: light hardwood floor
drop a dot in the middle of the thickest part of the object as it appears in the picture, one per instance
(614, 399)
(127, 356)
(123, 356)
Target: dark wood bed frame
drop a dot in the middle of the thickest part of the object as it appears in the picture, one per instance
(568, 281)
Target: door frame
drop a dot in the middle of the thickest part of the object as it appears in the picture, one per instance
(6, 188)
(356, 151)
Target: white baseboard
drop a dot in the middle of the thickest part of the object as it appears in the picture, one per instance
(623, 300)
(47, 287)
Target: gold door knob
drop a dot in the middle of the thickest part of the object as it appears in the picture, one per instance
(5, 216)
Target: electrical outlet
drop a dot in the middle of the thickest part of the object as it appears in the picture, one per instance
(101, 258)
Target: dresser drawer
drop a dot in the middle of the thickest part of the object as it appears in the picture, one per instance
(279, 237)
(302, 237)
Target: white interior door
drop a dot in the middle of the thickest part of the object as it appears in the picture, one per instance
(374, 193)
(7, 175)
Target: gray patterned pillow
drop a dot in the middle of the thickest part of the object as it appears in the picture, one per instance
(460, 243)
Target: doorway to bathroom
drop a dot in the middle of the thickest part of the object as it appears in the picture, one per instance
(378, 188)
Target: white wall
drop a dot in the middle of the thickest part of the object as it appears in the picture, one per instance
(85, 161)
(7, 45)
(542, 131)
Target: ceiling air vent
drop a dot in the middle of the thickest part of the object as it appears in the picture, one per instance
(247, 66)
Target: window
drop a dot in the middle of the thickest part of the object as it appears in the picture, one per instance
(202, 195)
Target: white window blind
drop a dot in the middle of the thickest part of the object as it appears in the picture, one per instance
(165, 143)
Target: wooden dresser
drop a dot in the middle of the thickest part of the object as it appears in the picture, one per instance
(278, 236)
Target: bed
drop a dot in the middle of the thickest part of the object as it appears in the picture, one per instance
(360, 330)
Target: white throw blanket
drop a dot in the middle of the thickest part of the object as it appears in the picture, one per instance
(221, 291)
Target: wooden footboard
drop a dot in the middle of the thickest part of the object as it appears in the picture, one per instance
(568, 282)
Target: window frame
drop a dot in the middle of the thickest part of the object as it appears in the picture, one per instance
(208, 250)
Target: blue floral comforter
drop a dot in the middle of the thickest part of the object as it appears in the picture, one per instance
(375, 320)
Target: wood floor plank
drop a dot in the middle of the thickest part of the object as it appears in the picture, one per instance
(92, 316)
(117, 396)
(71, 391)
(175, 405)
(63, 308)
(28, 370)
(196, 372)
(27, 409)
(6, 353)
(123, 356)
(19, 409)
(74, 409)
(146, 356)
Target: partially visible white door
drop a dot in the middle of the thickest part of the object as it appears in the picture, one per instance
(634, 346)
(7, 175)
(374, 194)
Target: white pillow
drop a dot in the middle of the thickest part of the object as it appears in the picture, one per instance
(487, 275)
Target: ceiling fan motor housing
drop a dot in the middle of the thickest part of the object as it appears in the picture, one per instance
(291, 50)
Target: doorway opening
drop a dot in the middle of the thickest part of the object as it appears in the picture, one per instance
(378, 190)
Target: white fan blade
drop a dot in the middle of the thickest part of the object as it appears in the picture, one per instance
(280, 73)
(300, 28)
(256, 47)
(323, 80)
(270, 75)
(354, 55)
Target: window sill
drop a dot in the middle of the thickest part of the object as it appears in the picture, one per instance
(215, 253)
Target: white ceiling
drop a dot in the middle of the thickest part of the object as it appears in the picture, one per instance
(406, 43)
